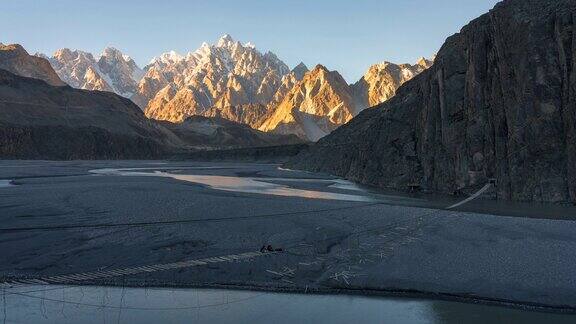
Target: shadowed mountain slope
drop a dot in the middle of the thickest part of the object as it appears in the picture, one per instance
(499, 102)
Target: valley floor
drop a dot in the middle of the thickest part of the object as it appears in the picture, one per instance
(159, 223)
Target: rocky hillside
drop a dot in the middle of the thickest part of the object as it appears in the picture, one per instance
(199, 132)
(499, 103)
(112, 71)
(38, 120)
(15, 59)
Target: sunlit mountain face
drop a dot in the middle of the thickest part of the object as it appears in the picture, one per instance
(237, 82)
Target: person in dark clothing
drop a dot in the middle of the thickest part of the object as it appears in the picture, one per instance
(269, 248)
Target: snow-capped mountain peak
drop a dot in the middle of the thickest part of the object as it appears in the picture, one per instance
(225, 41)
(236, 81)
(166, 58)
(382, 80)
(110, 51)
(214, 80)
(111, 71)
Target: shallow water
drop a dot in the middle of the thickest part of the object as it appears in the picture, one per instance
(285, 186)
(252, 185)
(6, 183)
(68, 304)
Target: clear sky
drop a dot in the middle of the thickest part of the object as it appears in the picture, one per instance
(347, 36)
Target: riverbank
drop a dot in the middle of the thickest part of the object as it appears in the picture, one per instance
(62, 220)
(66, 304)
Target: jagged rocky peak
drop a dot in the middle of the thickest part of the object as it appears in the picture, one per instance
(111, 71)
(314, 107)
(224, 79)
(425, 63)
(321, 100)
(14, 58)
(226, 41)
(321, 70)
(112, 54)
(170, 57)
(78, 69)
(382, 80)
(120, 71)
(38, 54)
(115, 57)
(228, 79)
(299, 70)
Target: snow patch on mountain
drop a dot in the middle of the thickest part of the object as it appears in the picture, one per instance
(110, 71)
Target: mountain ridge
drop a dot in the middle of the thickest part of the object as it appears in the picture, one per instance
(44, 121)
(230, 80)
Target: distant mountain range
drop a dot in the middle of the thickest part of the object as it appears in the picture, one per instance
(111, 71)
(237, 82)
(42, 117)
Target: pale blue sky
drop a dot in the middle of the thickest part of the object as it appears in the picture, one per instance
(347, 36)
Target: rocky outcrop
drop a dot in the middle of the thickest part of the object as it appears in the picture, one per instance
(248, 114)
(199, 132)
(498, 103)
(15, 59)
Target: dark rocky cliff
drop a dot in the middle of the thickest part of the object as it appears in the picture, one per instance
(498, 103)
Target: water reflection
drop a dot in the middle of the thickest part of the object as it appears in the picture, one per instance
(60, 304)
(251, 185)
